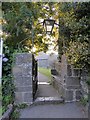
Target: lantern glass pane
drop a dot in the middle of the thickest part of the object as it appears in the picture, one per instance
(50, 22)
(47, 22)
(48, 32)
(49, 28)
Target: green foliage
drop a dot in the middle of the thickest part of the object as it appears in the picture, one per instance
(22, 106)
(77, 52)
(84, 101)
(73, 19)
(15, 115)
(16, 112)
(7, 79)
(73, 36)
(21, 22)
(77, 49)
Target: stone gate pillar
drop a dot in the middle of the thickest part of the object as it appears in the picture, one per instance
(22, 71)
(70, 81)
(67, 82)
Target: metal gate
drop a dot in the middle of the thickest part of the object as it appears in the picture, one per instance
(34, 76)
(1, 53)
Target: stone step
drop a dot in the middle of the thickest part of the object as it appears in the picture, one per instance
(48, 100)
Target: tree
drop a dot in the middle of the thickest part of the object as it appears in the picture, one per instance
(74, 27)
(19, 21)
(80, 56)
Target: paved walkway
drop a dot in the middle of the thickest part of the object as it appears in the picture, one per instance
(66, 110)
(44, 87)
(69, 110)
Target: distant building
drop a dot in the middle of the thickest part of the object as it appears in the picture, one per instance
(46, 60)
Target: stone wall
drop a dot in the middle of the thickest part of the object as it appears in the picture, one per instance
(22, 71)
(70, 82)
(84, 86)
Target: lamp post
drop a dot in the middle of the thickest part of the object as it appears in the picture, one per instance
(49, 25)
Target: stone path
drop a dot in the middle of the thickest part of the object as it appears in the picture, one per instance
(60, 110)
(69, 110)
(44, 87)
(46, 93)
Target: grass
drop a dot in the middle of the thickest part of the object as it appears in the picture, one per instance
(45, 71)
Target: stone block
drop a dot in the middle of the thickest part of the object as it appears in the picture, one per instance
(24, 88)
(84, 73)
(63, 71)
(72, 81)
(73, 87)
(68, 95)
(58, 86)
(22, 70)
(17, 70)
(23, 81)
(58, 67)
(21, 58)
(69, 70)
(76, 72)
(22, 97)
(19, 97)
(78, 95)
(28, 97)
(61, 90)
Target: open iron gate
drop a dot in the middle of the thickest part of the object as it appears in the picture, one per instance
(35, 76)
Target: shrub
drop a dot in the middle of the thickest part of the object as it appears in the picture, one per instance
(7, 84)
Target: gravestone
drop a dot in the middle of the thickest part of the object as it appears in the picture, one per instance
(22, 72)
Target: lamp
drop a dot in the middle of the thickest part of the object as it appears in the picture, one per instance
(48, 25)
